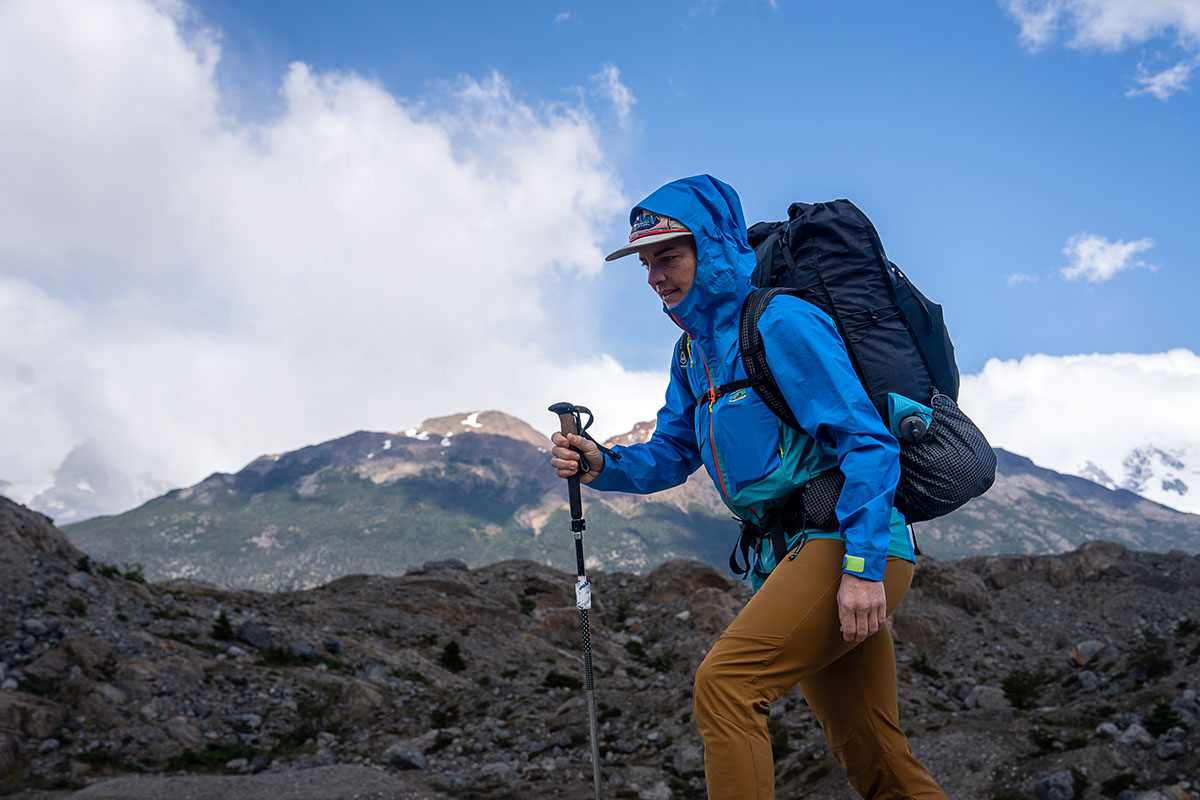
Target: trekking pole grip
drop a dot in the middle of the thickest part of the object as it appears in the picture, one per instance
(568, 420)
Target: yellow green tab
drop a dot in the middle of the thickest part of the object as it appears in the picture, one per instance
(854, 564)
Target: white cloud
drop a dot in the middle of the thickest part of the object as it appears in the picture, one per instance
(1113, 26)
(1097, 259)
(1163, 84)
(617, 93)
(1017, 278)
(191, 290)
(1105, 24)
(1038, 19)
(1064, 411)
(562, 16)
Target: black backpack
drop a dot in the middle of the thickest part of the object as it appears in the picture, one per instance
(830, 255)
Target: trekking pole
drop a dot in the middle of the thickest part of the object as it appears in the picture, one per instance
(568, 417)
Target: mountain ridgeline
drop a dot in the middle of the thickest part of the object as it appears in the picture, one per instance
(477, 487)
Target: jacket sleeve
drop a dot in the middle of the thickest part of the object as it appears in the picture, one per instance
(671, 454)
(809, 361)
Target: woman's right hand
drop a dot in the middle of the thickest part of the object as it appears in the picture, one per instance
(566, 461)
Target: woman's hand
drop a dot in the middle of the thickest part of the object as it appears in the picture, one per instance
(566, 461)
(862, 607)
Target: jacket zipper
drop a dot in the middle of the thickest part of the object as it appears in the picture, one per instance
(712, 396)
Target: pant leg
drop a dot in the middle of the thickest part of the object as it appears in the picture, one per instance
(854, 699)
(788, 632)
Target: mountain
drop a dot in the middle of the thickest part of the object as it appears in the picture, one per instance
(1057, 676)
(477, 487)
(88, 484)
(1170, 476)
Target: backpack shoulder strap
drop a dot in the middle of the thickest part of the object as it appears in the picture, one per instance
(754, 359)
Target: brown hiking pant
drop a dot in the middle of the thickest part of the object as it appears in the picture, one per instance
(789, 634)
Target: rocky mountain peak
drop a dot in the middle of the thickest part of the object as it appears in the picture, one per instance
(496, 423)
(641, 432)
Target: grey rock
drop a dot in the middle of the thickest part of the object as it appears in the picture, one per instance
(302, 651)
(659, 791)
(1136, 736)
(1057, 786)
(497, 770)
(48, 746)
(182, 731)
(689, 759)
(8, 685)
(35, 627)
(1170, 749)
(1088, 681)
(256, 635)
(237, 763)
(402, 757)
(975, 765)
(1085, 651)
(332, 646)
(1108, 729)
(986, 697)
(80, 581)
(454, 564)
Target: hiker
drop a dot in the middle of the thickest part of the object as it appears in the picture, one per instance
(817, 618)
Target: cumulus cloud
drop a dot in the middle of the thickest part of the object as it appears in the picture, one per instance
(609, 81)
(1165, 83)
(191, 290)
(1066, 411)
(1097, 260)
(1113, 26)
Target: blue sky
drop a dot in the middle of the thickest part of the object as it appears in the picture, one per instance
(230, 228)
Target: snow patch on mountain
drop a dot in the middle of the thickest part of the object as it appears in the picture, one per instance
(1170, 476)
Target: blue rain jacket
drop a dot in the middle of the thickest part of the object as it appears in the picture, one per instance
(755, 460)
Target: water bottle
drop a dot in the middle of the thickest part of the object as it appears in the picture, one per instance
(913, 428)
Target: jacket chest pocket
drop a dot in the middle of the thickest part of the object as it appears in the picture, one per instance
(745, 437)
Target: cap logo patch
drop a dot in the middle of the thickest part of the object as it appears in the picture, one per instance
(644, 222)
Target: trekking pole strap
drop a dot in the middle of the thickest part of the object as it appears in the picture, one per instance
(569, 422)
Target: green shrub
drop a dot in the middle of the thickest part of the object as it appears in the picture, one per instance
(1118, 783)
(451, 657)
(921, 664)
(1162, 719)
(212, 757)
(409, 675)
(779, 739)
(557, 680)
(1023, 687)
(78, 606)
(1150, 656)
(222, 631)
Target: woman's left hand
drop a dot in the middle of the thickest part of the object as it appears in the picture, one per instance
(862, 607)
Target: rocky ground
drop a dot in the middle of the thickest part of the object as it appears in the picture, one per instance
(1048, 677)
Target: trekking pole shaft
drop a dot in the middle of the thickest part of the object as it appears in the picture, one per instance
(569, 423)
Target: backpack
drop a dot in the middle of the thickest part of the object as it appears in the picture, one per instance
(830, 255)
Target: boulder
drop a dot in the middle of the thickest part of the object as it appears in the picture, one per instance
(677, 580)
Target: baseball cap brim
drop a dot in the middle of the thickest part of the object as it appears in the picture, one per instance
(645, 241)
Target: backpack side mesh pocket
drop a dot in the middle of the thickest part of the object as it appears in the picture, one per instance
(952, 465)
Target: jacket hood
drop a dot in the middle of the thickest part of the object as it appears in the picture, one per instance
(712, 211)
